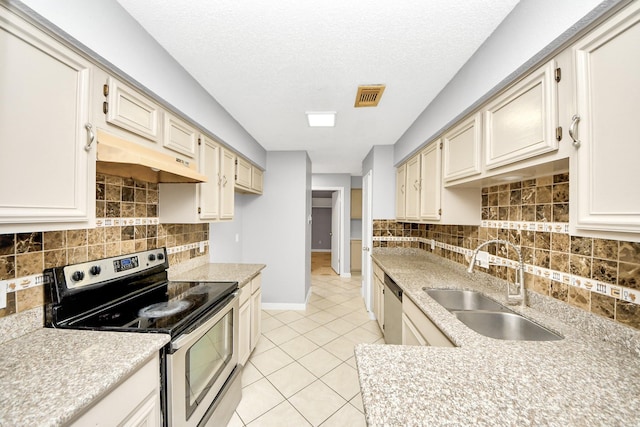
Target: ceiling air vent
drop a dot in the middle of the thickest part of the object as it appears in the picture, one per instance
(369, 96)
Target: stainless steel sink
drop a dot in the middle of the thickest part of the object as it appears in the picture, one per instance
(457, 299)
(488, 317)
(505, 326)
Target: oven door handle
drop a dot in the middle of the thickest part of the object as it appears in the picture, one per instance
(189, 337)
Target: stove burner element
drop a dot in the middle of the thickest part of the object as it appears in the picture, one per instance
(163, 309)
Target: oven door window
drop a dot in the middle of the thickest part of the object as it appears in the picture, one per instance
(206, 359)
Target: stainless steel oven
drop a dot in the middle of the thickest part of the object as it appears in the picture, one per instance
(200, 374)
(199, 363)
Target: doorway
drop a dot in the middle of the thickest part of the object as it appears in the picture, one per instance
(327, 231)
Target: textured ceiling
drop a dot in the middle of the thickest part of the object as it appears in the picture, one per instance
(267, 63)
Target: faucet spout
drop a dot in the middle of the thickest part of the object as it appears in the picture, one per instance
(512, 298)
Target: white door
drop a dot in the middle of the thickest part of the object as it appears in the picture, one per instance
(335, 231)
(367, 241)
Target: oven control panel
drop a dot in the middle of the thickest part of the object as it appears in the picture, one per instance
(106, 269)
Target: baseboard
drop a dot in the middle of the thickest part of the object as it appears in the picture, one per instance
(321, 250)
(283, 306)
(345, 275)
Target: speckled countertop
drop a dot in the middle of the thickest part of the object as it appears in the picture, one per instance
(591, 377)
(49, 376)
(241, 273)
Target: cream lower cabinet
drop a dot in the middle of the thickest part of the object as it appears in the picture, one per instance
(244, 320)
(605, 183)
(378, 295)
(133, 403)
(250, 318)
(47, 154)
(418, 329)
(256, 310)
(356, 255)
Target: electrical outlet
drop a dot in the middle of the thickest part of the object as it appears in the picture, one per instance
(433, 244)
(201, 247)
(482, 259)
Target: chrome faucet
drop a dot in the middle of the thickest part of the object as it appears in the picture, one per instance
(512, 298)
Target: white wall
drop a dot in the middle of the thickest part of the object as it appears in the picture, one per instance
(343, 181)
(226, 237)
(105, 28)
(383, 186)
(531, 31)
(275, 230)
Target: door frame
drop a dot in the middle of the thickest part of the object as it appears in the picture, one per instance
(367, 241)
(341, 252)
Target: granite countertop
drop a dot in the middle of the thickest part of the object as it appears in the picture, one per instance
(222, 272)
(50, 376)
(584, 379)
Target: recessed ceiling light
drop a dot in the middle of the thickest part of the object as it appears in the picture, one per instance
(321, 118)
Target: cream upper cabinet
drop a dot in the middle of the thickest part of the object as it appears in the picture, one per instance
(227, 173)
(521, 122)
(431, 182)
(604, 175)
(257, 177)
(193, 203)
(243, 173)
(248, 178)
(401, 194)
(462, 148)
(426, 199)
(47, 147)
(412, 203)
(126, 108)
(179, 135)
(356, 203)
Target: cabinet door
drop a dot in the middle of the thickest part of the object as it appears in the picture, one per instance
(356, 255)
(256, 317)
(47, 178)
(256, 180)
(378, 301)
(244, 331)
(227, 167)
(412, 208)
(521, 123)
(410, 334)
(243, 173)
(356, 203)
(431, 182)
(462, 146)
(210, 190)
(401, 196)
(128, 109)
(604, 175)
(179, 136)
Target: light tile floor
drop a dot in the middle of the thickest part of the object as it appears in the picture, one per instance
(303, 372)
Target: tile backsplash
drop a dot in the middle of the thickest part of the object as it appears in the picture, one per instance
(127, 221)
(597, 275)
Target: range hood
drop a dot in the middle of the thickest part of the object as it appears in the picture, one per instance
(119, 157)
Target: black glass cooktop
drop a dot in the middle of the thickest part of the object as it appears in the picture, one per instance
(170, 307)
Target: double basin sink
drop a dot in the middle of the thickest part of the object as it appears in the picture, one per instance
(488, 317)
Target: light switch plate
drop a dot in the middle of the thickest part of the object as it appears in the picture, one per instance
(482, 259)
